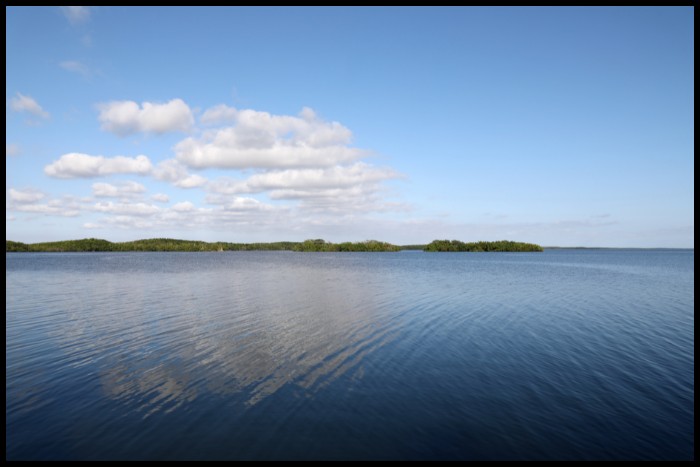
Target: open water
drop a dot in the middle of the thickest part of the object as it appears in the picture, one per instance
(566, 354)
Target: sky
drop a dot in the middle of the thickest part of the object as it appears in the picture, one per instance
(559, 126)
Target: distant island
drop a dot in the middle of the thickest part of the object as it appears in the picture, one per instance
(169, 244)
(501, 245)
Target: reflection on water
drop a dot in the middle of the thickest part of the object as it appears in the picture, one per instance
(238, 330)
(280, 355)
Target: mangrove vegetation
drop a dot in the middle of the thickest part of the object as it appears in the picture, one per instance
(501, 245)
(312, 245)
(169, 244)
(322, 245)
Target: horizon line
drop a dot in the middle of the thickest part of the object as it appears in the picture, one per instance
(551, 247)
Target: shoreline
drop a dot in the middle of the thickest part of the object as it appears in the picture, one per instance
(312, 245)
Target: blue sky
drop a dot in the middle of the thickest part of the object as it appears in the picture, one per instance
(560, 126)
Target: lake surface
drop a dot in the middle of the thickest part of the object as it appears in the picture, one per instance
(566, 354)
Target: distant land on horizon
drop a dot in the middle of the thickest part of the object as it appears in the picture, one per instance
(615, 248)
(318, 245)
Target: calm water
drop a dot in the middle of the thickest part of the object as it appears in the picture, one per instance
(565, 354)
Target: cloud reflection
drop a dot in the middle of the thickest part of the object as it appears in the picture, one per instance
(247, 329)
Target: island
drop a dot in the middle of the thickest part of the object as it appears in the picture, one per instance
(169, 244)
(501, 245)
(311, 245)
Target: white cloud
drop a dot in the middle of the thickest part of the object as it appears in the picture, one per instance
(172, 171)
(219, 114)
(358, 173)
(28, 195)
(11, 150)
(263, 140)
(302, 164)
(331, 190)
(76, 67)
(193, 181)
(77, 165)
(48, 209)
(242, 203)
(22, 103)
(130, 222)
(237, 212)
(127, 117)
(183, 207)
(131, 209)
(76, 14)
(127, 189)
(335, 195)
(25, 201)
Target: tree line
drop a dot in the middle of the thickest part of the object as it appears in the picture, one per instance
(170, 244)
(151, 244)
(501, 245)
(322, 245)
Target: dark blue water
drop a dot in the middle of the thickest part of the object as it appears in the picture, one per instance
(563, 355)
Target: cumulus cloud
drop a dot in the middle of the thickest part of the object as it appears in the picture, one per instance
(77, 165)
(11, 150)
(185, 206)
(262, 140)
(28, 201)
(335, 195)
(123, 190)
(219, 114)
(236, 212)
(356, 174)
(192, 181)
(48, 209)
(28, 195)
(22, 103)
(127, 117)
(76, 14)
(131, 209)
(331, 190)
(172, 171)
(303, 165)
(239, 203)
(76, 67)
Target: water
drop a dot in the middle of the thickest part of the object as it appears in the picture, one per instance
(565, 354)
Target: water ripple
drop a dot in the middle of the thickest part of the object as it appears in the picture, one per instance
(563, 355)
